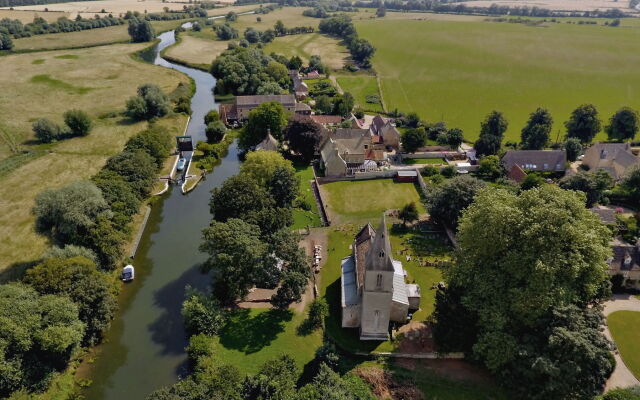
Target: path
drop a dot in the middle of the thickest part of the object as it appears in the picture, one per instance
(621, 377)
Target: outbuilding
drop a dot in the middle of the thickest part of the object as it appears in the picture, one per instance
(407, 176)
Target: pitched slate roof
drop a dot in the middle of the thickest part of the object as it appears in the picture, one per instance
(268, 144)
(615, 158)
(254, 101)
(626, 257)
(536, 160)
(327, 119)
(607, 215)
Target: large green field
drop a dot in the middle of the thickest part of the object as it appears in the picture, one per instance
(625, 327)
(458, 71)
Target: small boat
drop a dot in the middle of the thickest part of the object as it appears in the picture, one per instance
(181, 164)
(128, 273)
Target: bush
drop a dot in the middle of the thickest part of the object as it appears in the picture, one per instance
(202, 314)
(150, 102)
(318, 311)
(430, 170)
(78, 122)
(215, 131)
(45, 130)
(449, 171)
(212, 116)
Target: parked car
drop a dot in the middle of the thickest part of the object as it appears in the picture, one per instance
(181, 163)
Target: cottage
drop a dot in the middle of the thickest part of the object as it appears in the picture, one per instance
(536, 160)
(626, 262)
(373, 288)
(312, 75)
(300, 88)
(239, 111)
(347, 151)
(384, 128)
(615, 158)
(516, 174)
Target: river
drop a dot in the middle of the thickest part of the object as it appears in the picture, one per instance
(144, 349)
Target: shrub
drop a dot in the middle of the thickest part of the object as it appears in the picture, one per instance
(202, 314)
(318, 311)
(78, 122)
(45, 130)
(215, 131)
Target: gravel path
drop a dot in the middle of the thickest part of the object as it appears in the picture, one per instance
(622, 376)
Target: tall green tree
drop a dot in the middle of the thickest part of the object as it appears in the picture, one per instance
(631, 183)
(149, 103)
(409, 213)
(284, 186)
(78, 279)
(623, 125)
(414, 139)
(573, 147)
(583, 123)
(535, 134)
(261, 166)
(268, 117)
(137, 168)
(141, 30)
(492, 130)
(593, 184)
(520, 257)
(303, 136)
(156, 142)
(447, 202)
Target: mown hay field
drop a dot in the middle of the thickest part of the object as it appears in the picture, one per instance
(333, 54)
(458, 71)
(196, 51)
(97, 80)
(27, 16)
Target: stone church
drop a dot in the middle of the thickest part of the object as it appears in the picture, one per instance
(374, 291)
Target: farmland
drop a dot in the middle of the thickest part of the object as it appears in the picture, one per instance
(463, 69)
(304, 46)
(362, 86)
(196, 51)
(96, 80)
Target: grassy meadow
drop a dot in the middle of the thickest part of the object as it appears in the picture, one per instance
(624, 327)
(195, 51)
(458, 71)
(361, 86)
(333, 54)
(97, 80)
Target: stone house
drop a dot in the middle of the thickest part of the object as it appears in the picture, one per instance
(239, 111)
(536, 160)
(626, 262)
(347, 151)
(373, 288)
(384, 128)
(615, 158)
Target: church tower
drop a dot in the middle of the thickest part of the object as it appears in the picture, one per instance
(377, 291)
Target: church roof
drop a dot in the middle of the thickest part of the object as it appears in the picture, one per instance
(268, 144)
(379, 257)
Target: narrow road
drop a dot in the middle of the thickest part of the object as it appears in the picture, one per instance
(622, 376)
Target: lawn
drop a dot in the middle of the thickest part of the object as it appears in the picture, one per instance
(458, 71)
(624, 327)
(361, 86)
(412, 161)
(290, 17)
(256, 335)
(350, 201)
(333, 54)
(112, 76)
(93, 37)
(303, 218)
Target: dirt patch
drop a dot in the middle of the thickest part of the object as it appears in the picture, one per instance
(385, 387)
(415, 337)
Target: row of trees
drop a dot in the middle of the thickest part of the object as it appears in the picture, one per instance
(249, 242)
(77, 123)
(40, 26)
(342, 27)
(415, 138)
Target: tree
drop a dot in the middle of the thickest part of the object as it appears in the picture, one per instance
(573, 147)
(630, 393)
(593, 184)
(78, 122)
(141, 30)
(267, 117)
(212, 116)
(409, 213)
(117, 192)
(70, 251)
(67, 213)
(324, 104)
(361, 51)
(631, 183)
(156, 142)
(107, 240)
(447, 202)
(215, 131)
(315, 62)
(455, 136)
(89, 289)
(231, 16)
(45, 130)
(261, 166)
(295, 63)
(226, 32)
(150, 102)
(303, 136)
(583, 123)
(412, 120)
(279, 28)
(5, 42)
(414, 139)
(276, 380)
(490, 168)
(196, 27)
(512, 274)
(291, 289)
(236, 254)
(532, 180)
(284, 186)
(39, 335)
(252, 35)
(535, 134)
(381, 11)
(492, 130)
(623, 125)
(137, 168)
(202, 314)
(343, 104)
(279, 73)
(329, 385)
(318, 311)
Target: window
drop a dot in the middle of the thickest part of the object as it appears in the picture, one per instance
(546, 166)
(379, 281)
(376, 319)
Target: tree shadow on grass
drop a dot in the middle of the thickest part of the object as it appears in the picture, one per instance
(251, 333)
(15, 271)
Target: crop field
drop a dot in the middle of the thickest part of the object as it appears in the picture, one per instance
(290, 17)
(458, 71)
(196, 51)
(27, 16)
(45, 85)
(304, 46)
(563, 5)
(361, 86)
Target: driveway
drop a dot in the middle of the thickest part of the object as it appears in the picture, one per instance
(621, 377)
